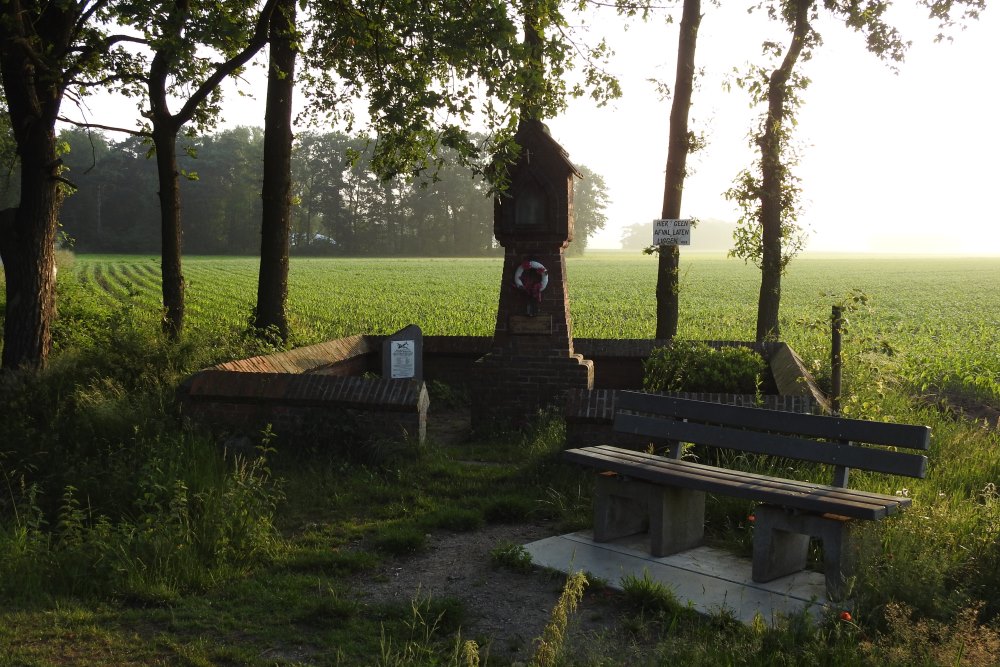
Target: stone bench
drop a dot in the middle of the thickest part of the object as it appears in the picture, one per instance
(637, 490)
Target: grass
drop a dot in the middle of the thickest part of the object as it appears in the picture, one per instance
(514, 557)
(127, 537)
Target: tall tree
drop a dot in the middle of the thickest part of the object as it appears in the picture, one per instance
(768, 233)
(319, 162)
(184, 37)
(590, 199)
(183, 26)
(272, 281)
(680, 143)
(46, 49)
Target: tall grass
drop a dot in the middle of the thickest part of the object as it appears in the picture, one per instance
(103, 491)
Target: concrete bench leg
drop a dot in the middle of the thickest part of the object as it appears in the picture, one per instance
(781, 546)
(676, 520)
(842, 547)
(621, 507)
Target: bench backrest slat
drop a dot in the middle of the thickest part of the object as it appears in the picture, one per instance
(818, 426)
(803, 449)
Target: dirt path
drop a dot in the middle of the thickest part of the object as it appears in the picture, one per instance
(505, 610)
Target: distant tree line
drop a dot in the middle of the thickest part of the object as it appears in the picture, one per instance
(341, 207)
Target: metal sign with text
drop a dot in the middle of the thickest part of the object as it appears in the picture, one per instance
(672, 232)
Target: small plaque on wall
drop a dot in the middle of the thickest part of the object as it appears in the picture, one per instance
(524, 325)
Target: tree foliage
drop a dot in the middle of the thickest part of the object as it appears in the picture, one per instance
(341, 206)
(427, 69)
(590, 199)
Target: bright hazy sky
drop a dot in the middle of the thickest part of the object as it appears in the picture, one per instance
(901, 162)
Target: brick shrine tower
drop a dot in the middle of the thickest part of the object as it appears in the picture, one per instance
(532, 363)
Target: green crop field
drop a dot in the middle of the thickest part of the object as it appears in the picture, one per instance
(937, 318)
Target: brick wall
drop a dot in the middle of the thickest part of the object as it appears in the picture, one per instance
(342, 356)
(300, 406)
(297, 390)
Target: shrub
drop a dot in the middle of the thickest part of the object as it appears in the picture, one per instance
(693, 366)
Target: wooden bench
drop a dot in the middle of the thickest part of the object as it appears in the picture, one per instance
(636, 490)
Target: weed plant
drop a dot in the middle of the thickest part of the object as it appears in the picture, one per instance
(511, 556)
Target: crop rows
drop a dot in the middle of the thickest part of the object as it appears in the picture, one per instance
(936, 320)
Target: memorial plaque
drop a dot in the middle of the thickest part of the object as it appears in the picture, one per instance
(402, 355)
(402, 359)
(524, 325)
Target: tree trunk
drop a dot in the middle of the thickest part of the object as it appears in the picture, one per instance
(773, 180)
(668, 267)
(27, 243)
(272, 283)
(165, 141)
(27, 233)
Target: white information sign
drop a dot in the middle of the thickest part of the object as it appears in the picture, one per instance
(403, 359)
(671, 232)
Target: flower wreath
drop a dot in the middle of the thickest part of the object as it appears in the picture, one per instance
(538, 278)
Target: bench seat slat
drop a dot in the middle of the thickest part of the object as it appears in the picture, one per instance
(818, 426)
(833, 453)
(798, 495)
(707, 471)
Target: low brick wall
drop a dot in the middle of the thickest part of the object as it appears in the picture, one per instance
(309, 394)
(618, 366)
(305, 391)
(452, 359)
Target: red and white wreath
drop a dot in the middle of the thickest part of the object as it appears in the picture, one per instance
(531, 277)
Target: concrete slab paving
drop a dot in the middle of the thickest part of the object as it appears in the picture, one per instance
(710, 579)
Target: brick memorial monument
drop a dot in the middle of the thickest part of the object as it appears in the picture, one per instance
(531, 363)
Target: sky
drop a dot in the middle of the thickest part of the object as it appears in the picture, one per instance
(897, 162)
(891, 162)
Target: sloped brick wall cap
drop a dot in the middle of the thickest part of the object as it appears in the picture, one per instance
(306, 359)
(306, 390)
